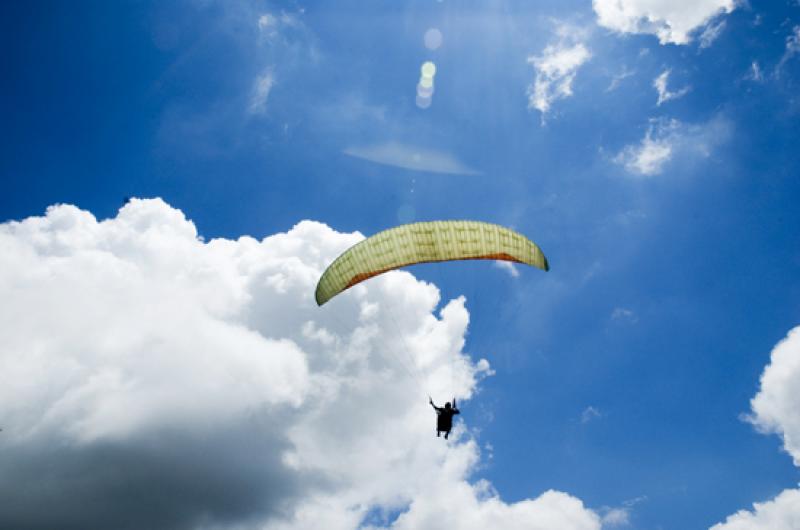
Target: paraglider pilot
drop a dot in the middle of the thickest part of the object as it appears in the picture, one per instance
(444, 419)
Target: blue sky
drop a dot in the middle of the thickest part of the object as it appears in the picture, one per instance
(668, 211)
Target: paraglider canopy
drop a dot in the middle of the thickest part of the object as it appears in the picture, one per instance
(426, 242)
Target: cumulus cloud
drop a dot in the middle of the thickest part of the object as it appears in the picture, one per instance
(478, 507)
(556, 68)
(781, 513)
(666, 139)
(664, 94)
(776, 409)
(673, 21)
(152, 379)
(411, 157)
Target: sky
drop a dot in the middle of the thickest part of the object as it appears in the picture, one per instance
(176, 175)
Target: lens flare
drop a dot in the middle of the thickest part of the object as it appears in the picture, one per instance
(424, 91)
(428, 69)
(433, 39)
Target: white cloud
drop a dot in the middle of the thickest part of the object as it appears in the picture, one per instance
(792, 48)
(264, 51)
(261, 90)
(780, 513)
(477, 507)
(666, 139)
(135, 354)
(411, 157)
(267, 22)
(648, 157)
(628, 218)
(711, 33)
(616, 517)
(673, 21)
(270, 24)
(507, 266)
(793, 41)
(556, 69)
(624, 314)
(755, 73)
(629, 503)
(618, 78)
(664, 94)
(283, 40)
(776, 409)
(590, 413)
(291, 20)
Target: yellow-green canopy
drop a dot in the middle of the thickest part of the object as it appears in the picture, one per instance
(422, 243)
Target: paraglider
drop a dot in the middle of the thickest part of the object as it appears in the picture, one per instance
(427, 242)
(444, 417)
